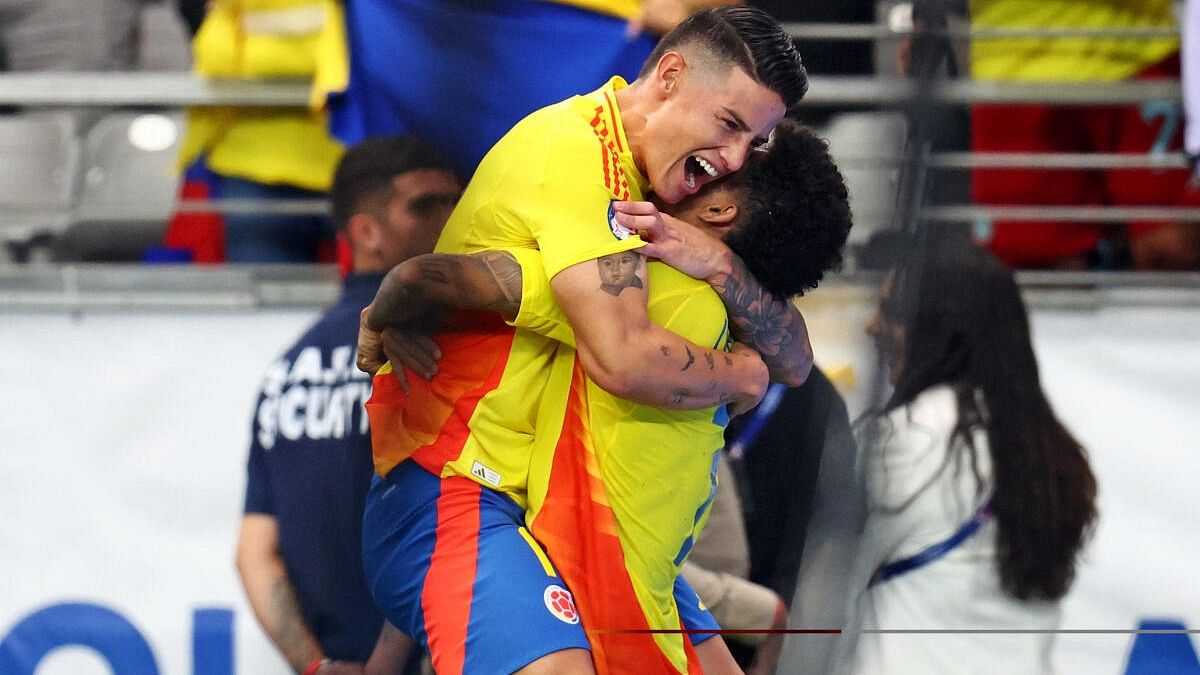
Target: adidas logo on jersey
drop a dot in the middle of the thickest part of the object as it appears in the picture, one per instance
(485, 474)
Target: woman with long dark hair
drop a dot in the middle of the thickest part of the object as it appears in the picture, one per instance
(979, 499)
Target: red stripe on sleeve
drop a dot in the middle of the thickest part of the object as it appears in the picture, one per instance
(612, 116)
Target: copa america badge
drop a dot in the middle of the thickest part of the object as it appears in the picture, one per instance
(619, 231)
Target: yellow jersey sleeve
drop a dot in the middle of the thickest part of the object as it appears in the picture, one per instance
(539, 311)
(681, 304)
(565, 198)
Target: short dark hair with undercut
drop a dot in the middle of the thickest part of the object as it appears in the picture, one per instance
(367, 170)
(748, 38)
(795, 212)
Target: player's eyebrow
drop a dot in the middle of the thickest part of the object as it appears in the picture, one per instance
(742, 126)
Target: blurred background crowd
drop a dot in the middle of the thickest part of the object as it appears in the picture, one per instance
(105, 183)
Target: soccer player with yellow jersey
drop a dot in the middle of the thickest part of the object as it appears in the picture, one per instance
(787, 215)
(446, 551)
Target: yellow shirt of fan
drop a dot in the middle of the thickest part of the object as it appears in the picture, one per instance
(1058, 59)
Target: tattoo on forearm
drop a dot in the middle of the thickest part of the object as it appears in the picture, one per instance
(620, 271)
(678, 396)
(392, 301)
(691, 358)
(666, 351)
(728, 360)
(758, 318)
(439, 269)
(708, 358)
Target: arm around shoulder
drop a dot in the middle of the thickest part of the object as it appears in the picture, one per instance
(627, 355)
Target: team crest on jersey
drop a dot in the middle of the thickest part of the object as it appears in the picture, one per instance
(619, 231)
(561, 604)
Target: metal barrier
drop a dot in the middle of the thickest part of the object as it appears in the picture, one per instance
(878, 31)
(174, 288)
(173, 90)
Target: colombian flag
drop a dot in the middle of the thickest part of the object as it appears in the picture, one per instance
(461, 73)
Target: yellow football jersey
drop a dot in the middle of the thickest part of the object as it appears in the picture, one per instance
(545, 187)
(619, 494)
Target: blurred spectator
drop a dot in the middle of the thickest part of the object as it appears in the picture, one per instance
(192, 12)
(300, 549)
(260, 153)
(928, 55)
(979, 500)
(1152, 127)
(462, 73)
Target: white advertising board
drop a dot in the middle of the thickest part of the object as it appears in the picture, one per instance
(122, 472)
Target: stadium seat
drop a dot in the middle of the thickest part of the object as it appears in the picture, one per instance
(39, 159)
(128, 190)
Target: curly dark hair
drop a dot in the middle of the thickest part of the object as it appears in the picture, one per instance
(748, 38)
(795, 212)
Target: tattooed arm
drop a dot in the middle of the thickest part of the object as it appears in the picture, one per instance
(624, 353)
(270, 592)
(487, 281)
(773, 326)
(603, 300)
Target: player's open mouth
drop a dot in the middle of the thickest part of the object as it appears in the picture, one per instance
(695, 166)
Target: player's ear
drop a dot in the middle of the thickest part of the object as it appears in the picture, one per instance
(668, 72)
(364, 232)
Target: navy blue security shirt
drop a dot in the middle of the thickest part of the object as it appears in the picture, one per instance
(310, 467)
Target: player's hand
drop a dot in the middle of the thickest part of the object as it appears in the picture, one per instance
(370, 355)
(756, 390)
(681, 245)
(411, 348)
